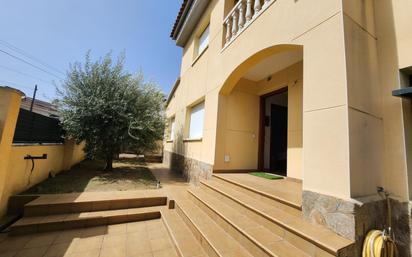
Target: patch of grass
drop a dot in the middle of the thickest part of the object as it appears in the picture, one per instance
(89, 176)
(265, 175)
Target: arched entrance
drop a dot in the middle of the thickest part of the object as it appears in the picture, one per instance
(260, 114)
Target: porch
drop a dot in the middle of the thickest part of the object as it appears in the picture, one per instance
(260, 115)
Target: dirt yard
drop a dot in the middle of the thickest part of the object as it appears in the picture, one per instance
(89, 176)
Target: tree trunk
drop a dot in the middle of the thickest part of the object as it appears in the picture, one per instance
(109, 163)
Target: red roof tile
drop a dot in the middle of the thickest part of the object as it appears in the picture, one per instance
(179, 16)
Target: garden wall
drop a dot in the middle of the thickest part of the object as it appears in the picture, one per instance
(16, 174)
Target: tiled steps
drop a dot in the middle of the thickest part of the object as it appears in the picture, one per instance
(259, 240)
(185, 242)
(34, 224)
(281, 202)
(314, 240)
(212, 237)
(48, 206)
(68, 211)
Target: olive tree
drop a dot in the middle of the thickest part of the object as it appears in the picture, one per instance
(106, 107)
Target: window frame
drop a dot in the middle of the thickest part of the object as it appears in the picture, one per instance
(170, 129)
(199, 41)
(196, 136)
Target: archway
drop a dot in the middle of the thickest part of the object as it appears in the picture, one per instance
(260, 114)
(253, 61)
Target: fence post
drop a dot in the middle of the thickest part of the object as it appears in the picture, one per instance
(10, 100)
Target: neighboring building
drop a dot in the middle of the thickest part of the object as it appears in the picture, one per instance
(303, 89)
(40, 107)
(38, 122)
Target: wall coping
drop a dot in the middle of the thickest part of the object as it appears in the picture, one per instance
(35, 144)
(13, 90)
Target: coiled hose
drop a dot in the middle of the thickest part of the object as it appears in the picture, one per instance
(381, 243)
(378, 244)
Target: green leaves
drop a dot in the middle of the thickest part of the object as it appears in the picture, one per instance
(109, 108)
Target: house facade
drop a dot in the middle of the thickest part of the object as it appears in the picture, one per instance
(303, 89)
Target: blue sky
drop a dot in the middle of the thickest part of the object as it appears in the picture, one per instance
(59, 32)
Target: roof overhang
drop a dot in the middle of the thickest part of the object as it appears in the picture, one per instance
(169, 98)
(186, 21)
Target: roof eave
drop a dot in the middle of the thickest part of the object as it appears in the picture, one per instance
(169, 98)
(188, 21)
(181, 17)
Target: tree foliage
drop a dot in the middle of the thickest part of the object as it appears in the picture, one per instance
(106, 107)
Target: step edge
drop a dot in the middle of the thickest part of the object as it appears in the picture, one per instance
(283, 225)
(84, 218)
(39, 228)
(199, 230)
(111, 205)
(240, 230)
(259, 192)
(94, 201)
(169, 231)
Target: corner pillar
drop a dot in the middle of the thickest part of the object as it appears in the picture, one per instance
(10, 100)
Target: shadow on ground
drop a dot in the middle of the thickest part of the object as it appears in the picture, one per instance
(89, 176)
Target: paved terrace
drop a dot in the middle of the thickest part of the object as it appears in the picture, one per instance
(278, 200)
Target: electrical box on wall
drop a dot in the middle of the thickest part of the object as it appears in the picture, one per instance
(227, 158)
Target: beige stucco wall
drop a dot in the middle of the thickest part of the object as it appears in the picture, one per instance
(402, 25)
(376, 35)
(295, 129)
(392, 32)
(398, 28)
(318, 28)
(364, 98)
(238, 129)
(353, 129)
(239, 117)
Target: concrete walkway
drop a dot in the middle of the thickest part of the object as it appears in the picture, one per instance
(171, 182)
(166, 176)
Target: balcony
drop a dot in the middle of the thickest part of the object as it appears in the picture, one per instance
(242, 16)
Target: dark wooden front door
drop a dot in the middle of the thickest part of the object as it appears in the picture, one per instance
(278, 139)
